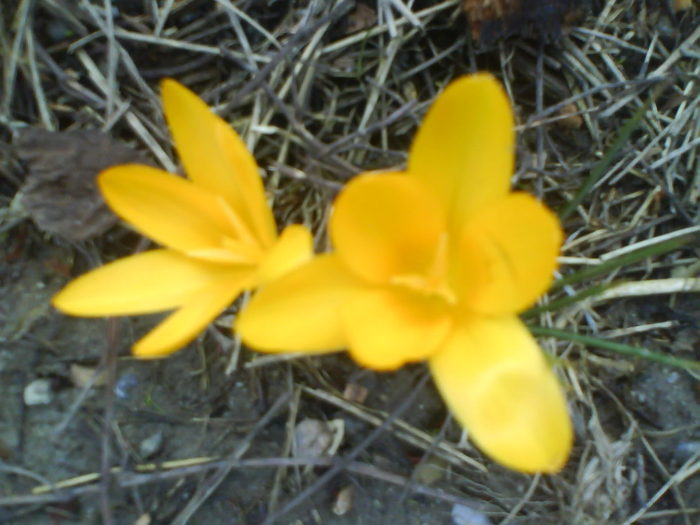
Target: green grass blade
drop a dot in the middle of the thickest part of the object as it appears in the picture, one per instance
(624, 260)
(619, 348)
(563, 302)
(603, 164)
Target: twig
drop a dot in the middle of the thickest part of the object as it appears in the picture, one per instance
(209, 485)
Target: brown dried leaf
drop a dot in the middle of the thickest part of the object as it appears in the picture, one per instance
(60, 193)
(491, 20)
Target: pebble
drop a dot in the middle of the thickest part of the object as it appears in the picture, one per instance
(463, 515)
(38, 392)
(430, 471)
(314, 438)
(125, 385)
(343, 501)
(686, 450)
(151, 445)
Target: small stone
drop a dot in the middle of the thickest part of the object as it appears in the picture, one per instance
(673, 377)
(355, 393)
(430, 471)
(570, 117)
(343, 501)
(150, 446)
(314, 438)
(143, 519)
(125, 385)
(81, 376)
(686, 450)
(38, 392)
(463, 515)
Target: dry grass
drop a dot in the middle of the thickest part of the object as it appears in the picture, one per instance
(321, 90)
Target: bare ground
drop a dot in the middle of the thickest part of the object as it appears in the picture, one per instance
(322, 90)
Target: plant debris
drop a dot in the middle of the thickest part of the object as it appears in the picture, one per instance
(491, 20)
(317, 105)
(60, 193)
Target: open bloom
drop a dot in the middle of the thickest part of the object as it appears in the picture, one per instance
(218, 232)
(434, 263)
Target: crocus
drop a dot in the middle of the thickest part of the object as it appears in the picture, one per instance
(434, 263)
(218, 233)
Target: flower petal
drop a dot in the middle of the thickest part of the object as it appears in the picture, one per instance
(169, 209)
(215, 158)
(182, 326)
(388, 327)
(464, 148)
(248, 193)
(507, 255)
(496, 382)
(300, 311)
(294, 247)
(147, 282)
(386, 225)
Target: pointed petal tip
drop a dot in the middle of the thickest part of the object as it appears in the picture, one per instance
(170, 86)
(171, 91)
(214, 157)
(479, 78)
(464, 148)
(167, 83)
(146, 349)
(524, 423)
(507, 397)
(59, 302)
(76, 300)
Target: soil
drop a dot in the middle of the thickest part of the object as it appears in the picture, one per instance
(192, 439)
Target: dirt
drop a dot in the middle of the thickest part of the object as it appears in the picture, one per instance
(180, 408)
(190, 439)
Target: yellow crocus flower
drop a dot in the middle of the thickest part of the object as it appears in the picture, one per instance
(218, 232)
(434, 263)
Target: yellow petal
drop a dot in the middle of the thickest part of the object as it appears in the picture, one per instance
(215, 158)
(465, 146)
(248, 193)
(385, 226)
(147, 282)
(507, 255)
(388, 327)
(169, 209)
(182, 326)
(294, 247)
(300, 311)
(495, 380)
